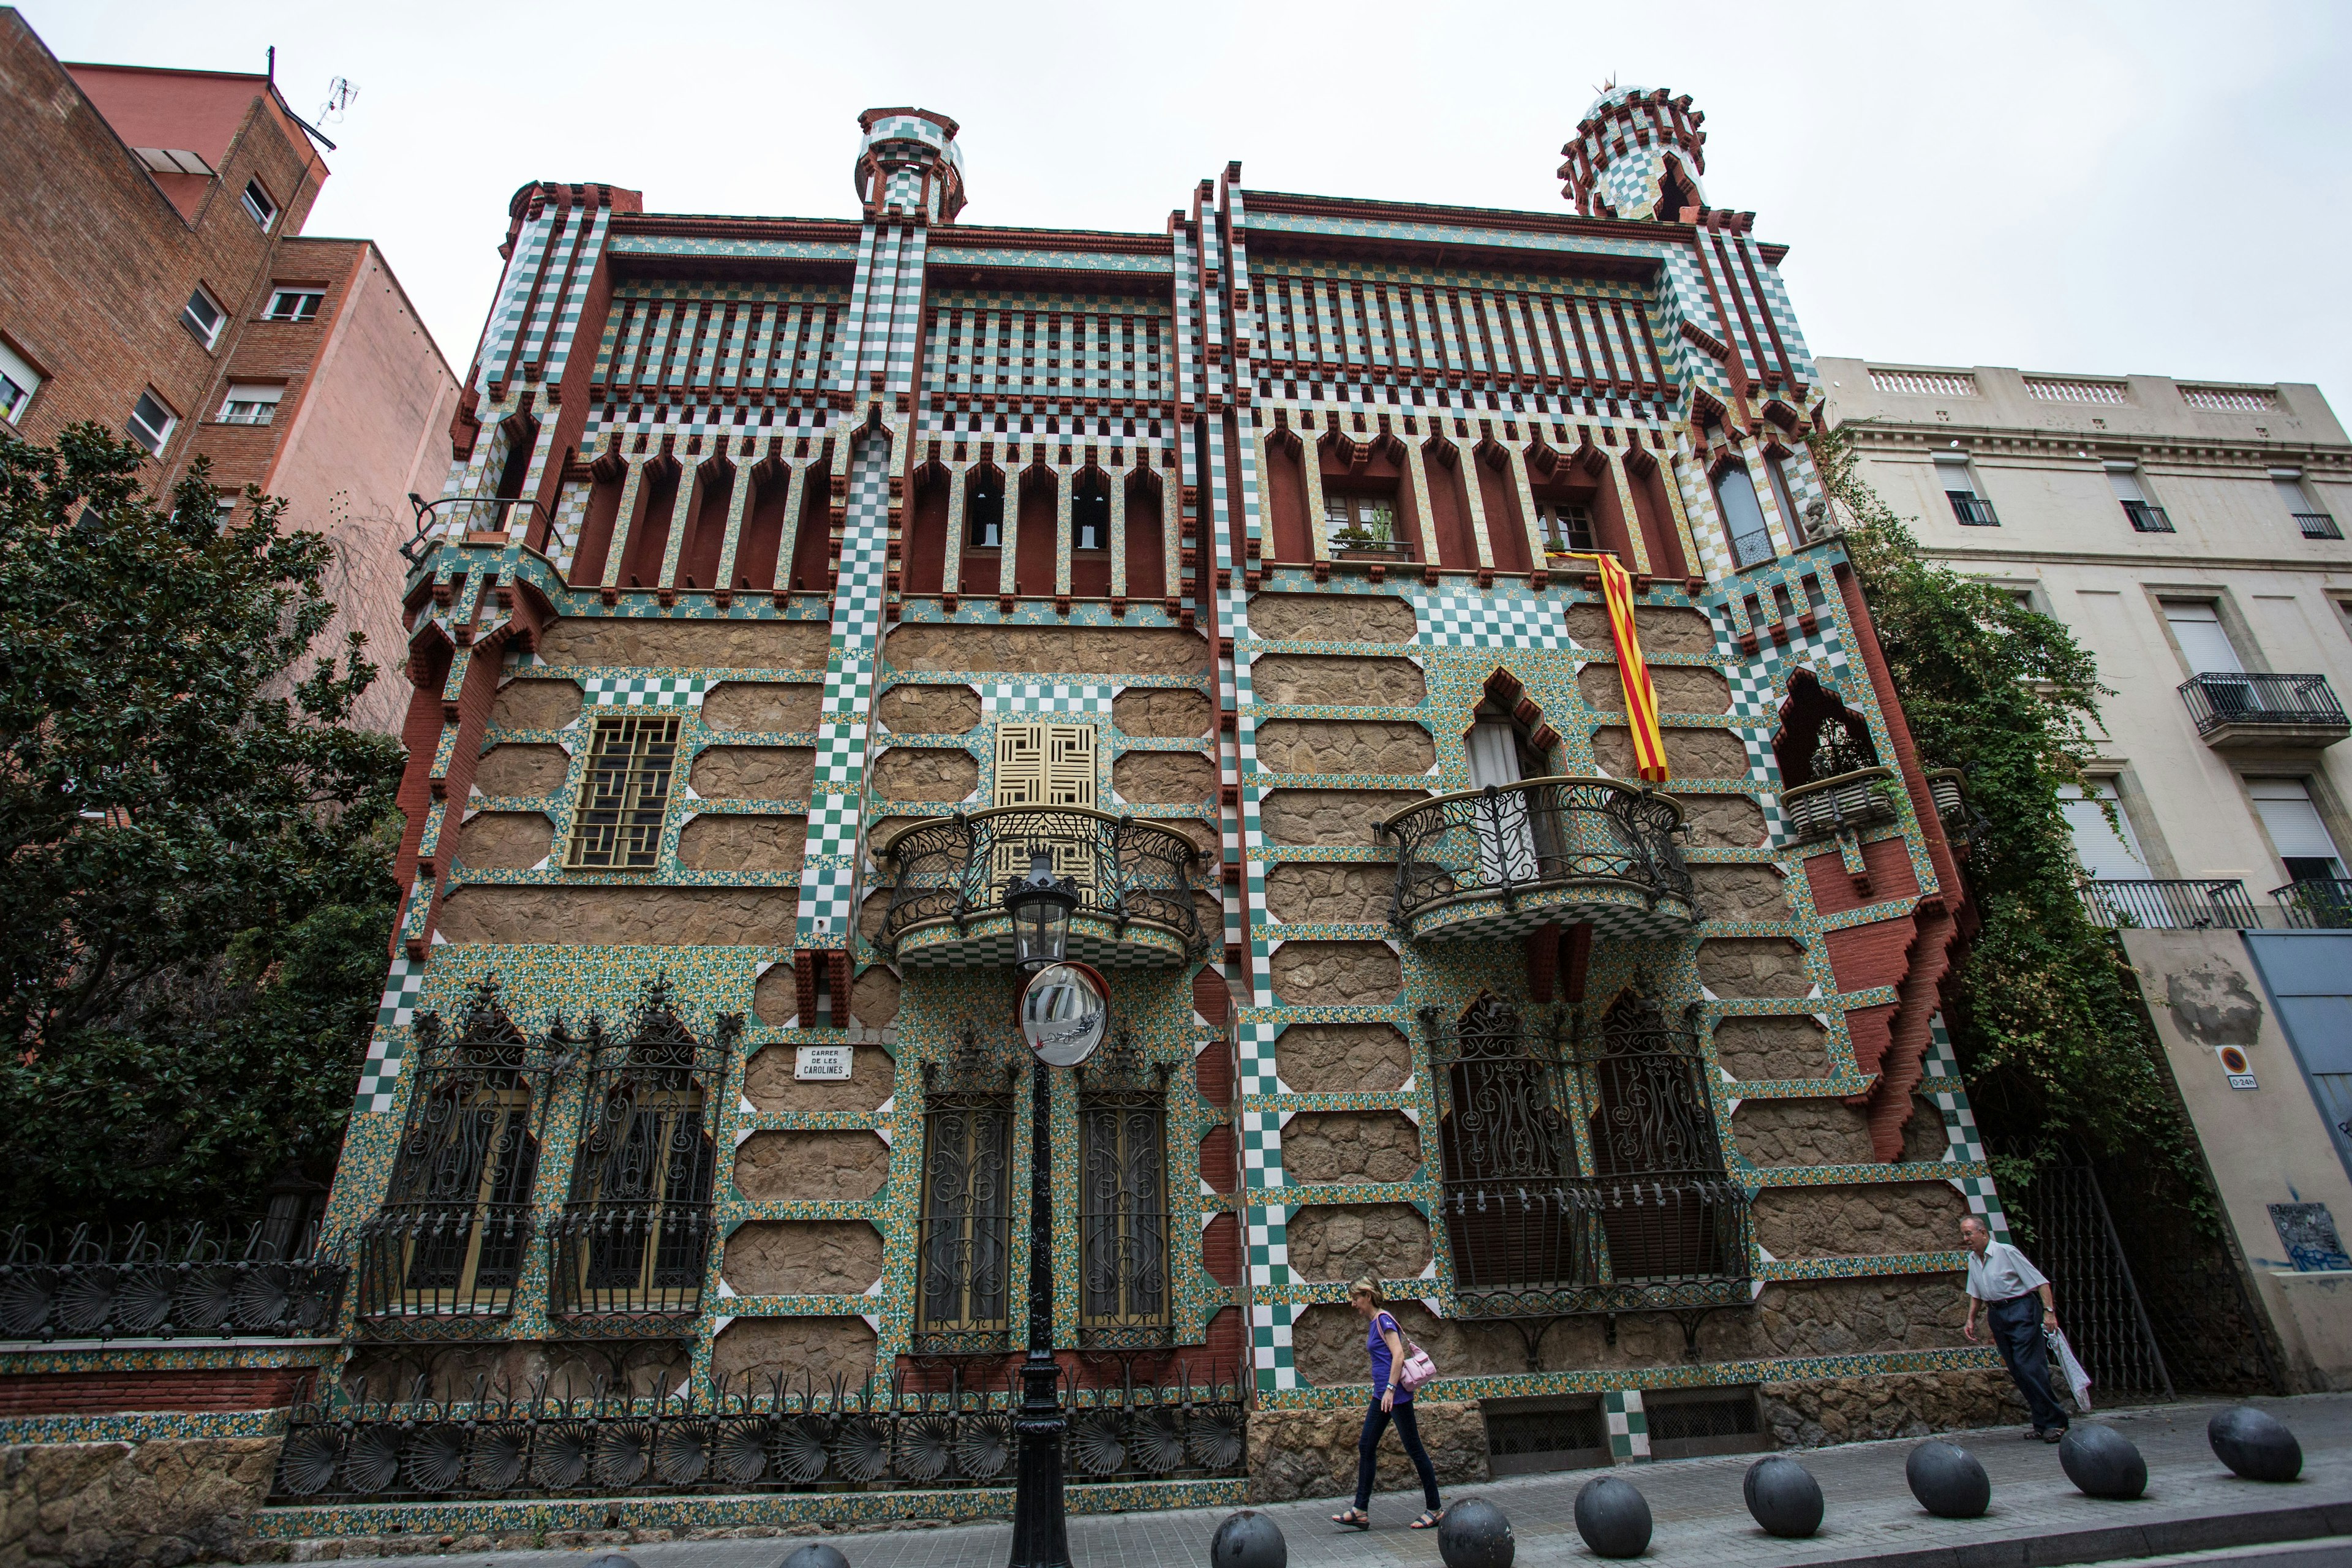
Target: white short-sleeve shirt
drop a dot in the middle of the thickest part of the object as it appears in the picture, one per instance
(2001, 1272)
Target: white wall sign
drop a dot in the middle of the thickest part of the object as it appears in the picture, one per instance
(2235, 1066)
(822, 1062)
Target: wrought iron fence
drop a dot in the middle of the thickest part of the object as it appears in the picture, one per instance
(1841, 803)
(2237, 697)
(762, 1436)
(2098, 1301)
(454, 517)
(181, 1282)
(1125, 869)
(1548, 833)
(2323, 903)
(2170, 905)
(1581, 1171)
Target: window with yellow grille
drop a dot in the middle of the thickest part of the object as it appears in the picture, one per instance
(1044, 766)
(618, 826)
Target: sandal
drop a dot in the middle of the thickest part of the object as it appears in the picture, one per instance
(1354, 1519)
(1430, 1518)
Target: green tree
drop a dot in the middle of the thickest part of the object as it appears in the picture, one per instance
(196, 887)
(2046, 1019)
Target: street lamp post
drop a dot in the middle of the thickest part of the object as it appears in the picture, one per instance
(1040, 908)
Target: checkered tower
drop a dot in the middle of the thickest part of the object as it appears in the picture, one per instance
(1638, 153)
(909, 164)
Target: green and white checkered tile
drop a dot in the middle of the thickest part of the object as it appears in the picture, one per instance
(1942, 1084)
(1254, 1043)
(380, 1075)
(1270, 1348)
(1486, 620)
(1629, 1426)
(643, 691)
(1007, 700)
(1260, 1133)
(1269, 1244)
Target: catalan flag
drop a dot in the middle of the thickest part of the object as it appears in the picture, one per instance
(1641, 699)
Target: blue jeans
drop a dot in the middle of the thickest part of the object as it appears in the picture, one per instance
(2016, 1326)
(1408, 1432)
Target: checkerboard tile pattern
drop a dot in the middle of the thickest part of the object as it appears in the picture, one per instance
(1254, 1044)
(1002, 701)
(1484, 620)
(1260, 1133)
(1629, 1426)
(643, 691)
(1270, 1348)
(1942, 1085)
(380, 1076)
(1269, 1244)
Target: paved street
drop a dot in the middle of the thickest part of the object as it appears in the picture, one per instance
(2192, 1506)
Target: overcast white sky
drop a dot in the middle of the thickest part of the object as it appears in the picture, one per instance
(2151, 186)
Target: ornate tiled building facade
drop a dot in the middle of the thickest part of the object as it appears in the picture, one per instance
(799, 579)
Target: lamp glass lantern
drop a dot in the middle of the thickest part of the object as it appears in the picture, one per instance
(1040, 904)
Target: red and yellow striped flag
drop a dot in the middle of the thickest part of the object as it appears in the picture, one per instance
(1641, 699)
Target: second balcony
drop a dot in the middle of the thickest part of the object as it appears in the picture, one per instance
(1499, 861)
(2235, 711)
(1134, 879)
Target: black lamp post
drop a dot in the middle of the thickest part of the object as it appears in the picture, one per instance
(1040, 906)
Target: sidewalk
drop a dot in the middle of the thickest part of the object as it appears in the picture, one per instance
(2192, 1505)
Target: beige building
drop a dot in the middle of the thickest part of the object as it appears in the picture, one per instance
(2191, 535)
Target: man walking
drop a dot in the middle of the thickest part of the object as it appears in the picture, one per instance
(2009, 1285)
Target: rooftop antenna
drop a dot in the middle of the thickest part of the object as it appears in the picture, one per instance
(273, 65)
(340, 96)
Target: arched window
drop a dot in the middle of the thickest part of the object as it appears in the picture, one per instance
(635, 1233)
(962, 1252)
(1667, 1212)
(1509, 1156)
(1743, 515)
(1091, 511)
(1122, 1202)
(983, 509)
(455, 1223)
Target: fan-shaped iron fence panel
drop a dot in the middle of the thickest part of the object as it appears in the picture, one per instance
(181, 1282)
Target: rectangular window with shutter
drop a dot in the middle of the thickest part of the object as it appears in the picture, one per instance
(2108, 850)
(2197, 626)
(2300, 837)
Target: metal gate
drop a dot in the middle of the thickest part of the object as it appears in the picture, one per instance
(2098, 1301)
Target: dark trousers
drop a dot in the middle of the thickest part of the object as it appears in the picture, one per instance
(2016, 1326)
(1367, 1449)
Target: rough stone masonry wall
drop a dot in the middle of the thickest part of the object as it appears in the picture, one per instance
(163, 1501)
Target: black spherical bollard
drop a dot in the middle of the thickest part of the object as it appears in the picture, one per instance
(611, 1560)
(1948, 1481)
(1613, 1517)
(1248, 1540)
(815, 1554)
(1783, 1496)
(1474, 1533)
(2256, 1444)
(2101, 1462)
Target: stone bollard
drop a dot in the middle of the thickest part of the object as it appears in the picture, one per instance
(1783, 1497)
(2256, 1444)
(1248, 1540)
(1613, 1517)
(611, 1560)
(1474, 1533)
(815, 1554)
(2101, 1462)
(1948, 1481)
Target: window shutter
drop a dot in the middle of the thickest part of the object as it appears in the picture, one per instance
(1953, 472)
(2198, 628)
(2109, 853)
(1044, 766)
(2297, 832)
(2126, 483)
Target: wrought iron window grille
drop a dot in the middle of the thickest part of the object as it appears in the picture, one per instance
(195, 1281)
(964, 1240)
(630, 1249)
(445, 1254)
(769, 1434)
(1581, 1169)
(625, 798)
(1123, 1221)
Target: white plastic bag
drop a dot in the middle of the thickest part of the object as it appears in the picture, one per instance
(2077, 1381)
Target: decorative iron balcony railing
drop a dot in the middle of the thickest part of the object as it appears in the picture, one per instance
(1841, 804)
(453, 518)
(2321, 903)
(1470, 863)
(1974, 511)
(2170, 905)
(2317, 525)
(2245, 702)
(441, 1270)
(2146, 517)
(624, 1266)
(952, 870)
(772, 1436)
(192, 1282)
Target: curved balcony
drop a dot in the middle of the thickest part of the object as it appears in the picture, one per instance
(948, 875)
(1503, 861)
(1842, 804)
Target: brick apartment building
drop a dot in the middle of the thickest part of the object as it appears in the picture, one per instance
(159, 283)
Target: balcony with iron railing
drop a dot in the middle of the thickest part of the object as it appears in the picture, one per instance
(2235, 709)
(2170, 904)
(628, 1267)
(1134, 879)
(2146, 517)
(2317, 525)
(474, 520)
(1974, 511)
(1498, 861)
(2321, 903)
(441, 1270)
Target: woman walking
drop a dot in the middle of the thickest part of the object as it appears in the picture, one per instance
(1392, 1400)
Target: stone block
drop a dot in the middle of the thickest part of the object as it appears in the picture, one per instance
(1882, 1220)
(1662, 629)
(1681, 689)
(621, 917)
(1346, 1241)
(929, 710)
(1753, 966)
(1691, 753)
(1819, 1411)
(763, 707)
(797, 1349)
(631, 642)
(521, 772)
(1856, 1317)
(1164, 778)
(1333, 618)
(874, 998)
(1312, 1452)
(755, 772)
(1925, 1137)
(719, 842)
(1162, 712)
(1722, 821)
(1311, 681)
(1320, 816)
(803, 1257)
(918, 772)
(528, 704)
(1324, 1146)
(1749, 893)
(1333, 893)
(768, 1083)
(1335, 973)
(1345, 746)
(1803, 1132)
(1336, 1059)
(505, 840)
(918, 647)
(1772, 1050)
(810, 1165)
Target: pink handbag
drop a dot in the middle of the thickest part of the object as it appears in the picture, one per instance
(1418, 1368)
